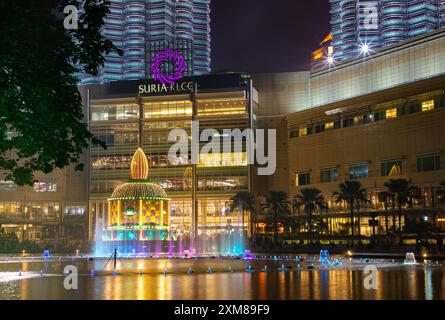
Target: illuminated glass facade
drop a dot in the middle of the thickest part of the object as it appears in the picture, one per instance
(141, 28)
(200, 194)
(381, 23)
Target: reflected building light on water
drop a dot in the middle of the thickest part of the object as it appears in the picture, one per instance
(428, 285)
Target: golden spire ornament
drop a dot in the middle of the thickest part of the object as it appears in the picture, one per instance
(139, 165)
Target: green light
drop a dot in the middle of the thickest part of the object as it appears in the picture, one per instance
(130, 212)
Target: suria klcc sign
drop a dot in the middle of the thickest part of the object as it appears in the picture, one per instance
(168, 68)
(171, 88)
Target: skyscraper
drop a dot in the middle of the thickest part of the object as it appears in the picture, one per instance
(141, 28)
(360, 26)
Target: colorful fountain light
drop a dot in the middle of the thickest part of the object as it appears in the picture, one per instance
(138, 213)
(247, 255)
(324, 257)
(410, 258)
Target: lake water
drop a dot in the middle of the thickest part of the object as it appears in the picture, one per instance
(144, 279)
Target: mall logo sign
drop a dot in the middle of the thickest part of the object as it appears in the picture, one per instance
(232, 141)
(168, 66)
(160, 88)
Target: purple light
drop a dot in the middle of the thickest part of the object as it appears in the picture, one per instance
(164, 58)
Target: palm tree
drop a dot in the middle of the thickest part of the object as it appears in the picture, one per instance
(441, 192)
(361, 197)
(399, 189)
(243, 201)
(350, 191)
(384, 197)
(277, 203)
(296, 206)
(310, 199)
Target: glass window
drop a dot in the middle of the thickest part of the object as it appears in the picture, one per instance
(348, 122)
(358, 119)
(329, 175)
(358, 172)
(380, 115)
(107, 139)
(75, 211)
(45, 186)
(329, 125)
(428, 163)
(42, 210)
(214, 183)
(302, 179)
(170, 109)
(415, 107)
(427, 105)
(391, 113)
(8, 186)
(388, 167)
(293, 133)
(302, 132)
(10, 210)
(117, 112)
(320, 128)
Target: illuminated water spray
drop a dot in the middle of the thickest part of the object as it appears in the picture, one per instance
(138, 215)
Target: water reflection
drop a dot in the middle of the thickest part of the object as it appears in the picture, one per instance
(396, 282)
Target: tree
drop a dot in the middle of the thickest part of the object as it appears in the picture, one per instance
(361, 198)
(399, 189)
(316, 223)
(243, 201)
(277, 203)
(41, 125)
(350, 191)
(310, 199)
(441, 193)
(384, 197)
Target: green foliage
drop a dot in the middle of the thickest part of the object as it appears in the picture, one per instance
(242, 201)
(311, 199)
(9, 242)
(353, 193)
(276, 203)
(441, 193)
(315, 224)
(399, 189)
(41, 114)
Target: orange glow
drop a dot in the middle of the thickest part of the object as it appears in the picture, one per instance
(328, 38)
(139, 165)
(318, 54)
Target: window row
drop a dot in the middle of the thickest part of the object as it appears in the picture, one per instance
(40, 186)
(387, 111)
(169, 109)
(389, 168)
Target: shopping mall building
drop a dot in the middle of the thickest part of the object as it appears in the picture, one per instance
(357, 121)
(143, 113)
(353, 121)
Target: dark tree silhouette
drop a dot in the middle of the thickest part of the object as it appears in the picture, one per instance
(41, 114)
(276, 203)
(310, 199)
(351, 192)
(399, 189)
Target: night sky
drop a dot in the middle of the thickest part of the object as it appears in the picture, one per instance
(267, 35)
